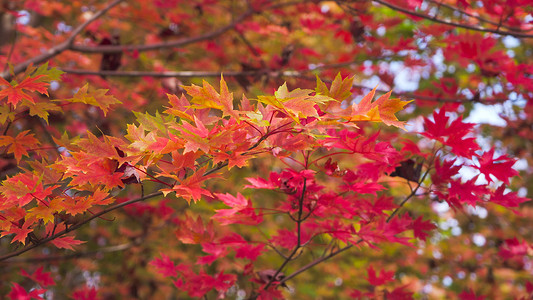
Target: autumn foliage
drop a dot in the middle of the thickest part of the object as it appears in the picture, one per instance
(286, 177)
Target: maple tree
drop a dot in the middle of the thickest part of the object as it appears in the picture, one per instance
(265, 149)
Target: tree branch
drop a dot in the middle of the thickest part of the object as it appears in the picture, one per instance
(62, 46)
(273, 74)
(158, 46)
(78, 225)
(454, 24)
(481, 19)
(109, 249)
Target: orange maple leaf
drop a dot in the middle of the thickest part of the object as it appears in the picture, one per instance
(20, 232)
(20, 144)
(16, 93)
(381, 110)
(208, 97)
(191, 187)
(66, 242)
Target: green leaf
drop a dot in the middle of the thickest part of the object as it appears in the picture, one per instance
(52, 73)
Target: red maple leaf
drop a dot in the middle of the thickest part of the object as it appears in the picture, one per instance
(510, 199)
(17, 92)
(382, 278)
(20, 232)
(467, 192)
(241, 212)
(66, 242)
(513, 247)
(19, 144)
(165, 266)
(248, 251)
(85, 293)
(194, 232)
(42, 278)
(500, 167)
(421, 228)
(453, 135)
(19, 293)
(445, 171)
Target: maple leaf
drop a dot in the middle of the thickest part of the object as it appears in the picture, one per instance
(500, 167)
(513, 247)
(6, 113)
(510, 199)
(244, 215)
(421, 227)
(155, 123)
(382, 278)
(355, 143)
(88, 169)
(47, 212)
(19, 293)
(165, 266)
(102, 148)
(180, 107)
(194, 231)
(339, 89)
(445, 171)
(191, 187)
(44, 279)
(97, 98)
(19, 144)
(76, 205)
(17, 92)
(467, 192)
(85, 293)
(296, 104)
(66, 242)
(41, 109)
(216, 250)
(381, 110)
(453, 135)
(232, 201)
(196, 138)
(49, 73)
(260, 183)
(208, 97)
(234, 158)
(248, 251)
(20, 232)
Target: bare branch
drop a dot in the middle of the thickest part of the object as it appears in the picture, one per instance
(158, 46)
(41, 259)
(180, 74)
